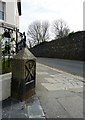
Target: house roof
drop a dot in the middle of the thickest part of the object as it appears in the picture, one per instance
(19, 7)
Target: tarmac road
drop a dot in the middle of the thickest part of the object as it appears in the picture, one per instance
(70, 66)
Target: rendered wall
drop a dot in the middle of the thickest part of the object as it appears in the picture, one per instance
(5, 86)
(12, 16)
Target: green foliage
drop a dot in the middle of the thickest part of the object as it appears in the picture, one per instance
(13, 39)
(1, 36)
(6, 47)
(72, 33)
(6, 66)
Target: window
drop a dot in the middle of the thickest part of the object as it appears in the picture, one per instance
(2, 10)
(19, 6)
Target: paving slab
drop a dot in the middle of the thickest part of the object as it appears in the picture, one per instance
(73, 105)
(53, 109)
(31, 108)
(53, 87)
(12, 108)
(60, 93)
(34, 108)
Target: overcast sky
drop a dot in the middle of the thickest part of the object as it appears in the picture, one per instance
(70, 11)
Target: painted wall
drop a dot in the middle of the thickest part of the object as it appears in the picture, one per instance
(12, 16)
(5, 86)
(84, 15)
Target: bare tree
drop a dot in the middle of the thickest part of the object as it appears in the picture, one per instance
(45, 31)
(38, 32)
(60, 29)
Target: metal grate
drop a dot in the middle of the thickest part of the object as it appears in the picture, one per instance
(30, 68)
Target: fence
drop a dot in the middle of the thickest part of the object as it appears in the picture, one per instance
(11, 41)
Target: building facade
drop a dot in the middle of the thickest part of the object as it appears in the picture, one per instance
(10, 10)
(84, 15)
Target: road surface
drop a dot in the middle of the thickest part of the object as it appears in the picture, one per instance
(70, 66)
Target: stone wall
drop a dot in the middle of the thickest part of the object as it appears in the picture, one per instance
(70, 47)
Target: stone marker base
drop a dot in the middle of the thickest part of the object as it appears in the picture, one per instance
(24, 96)
(29, 94)
(23, 75)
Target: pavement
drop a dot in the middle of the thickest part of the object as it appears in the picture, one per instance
(58, 95)
(15, 109)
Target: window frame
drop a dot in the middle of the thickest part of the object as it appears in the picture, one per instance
(3, 11)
